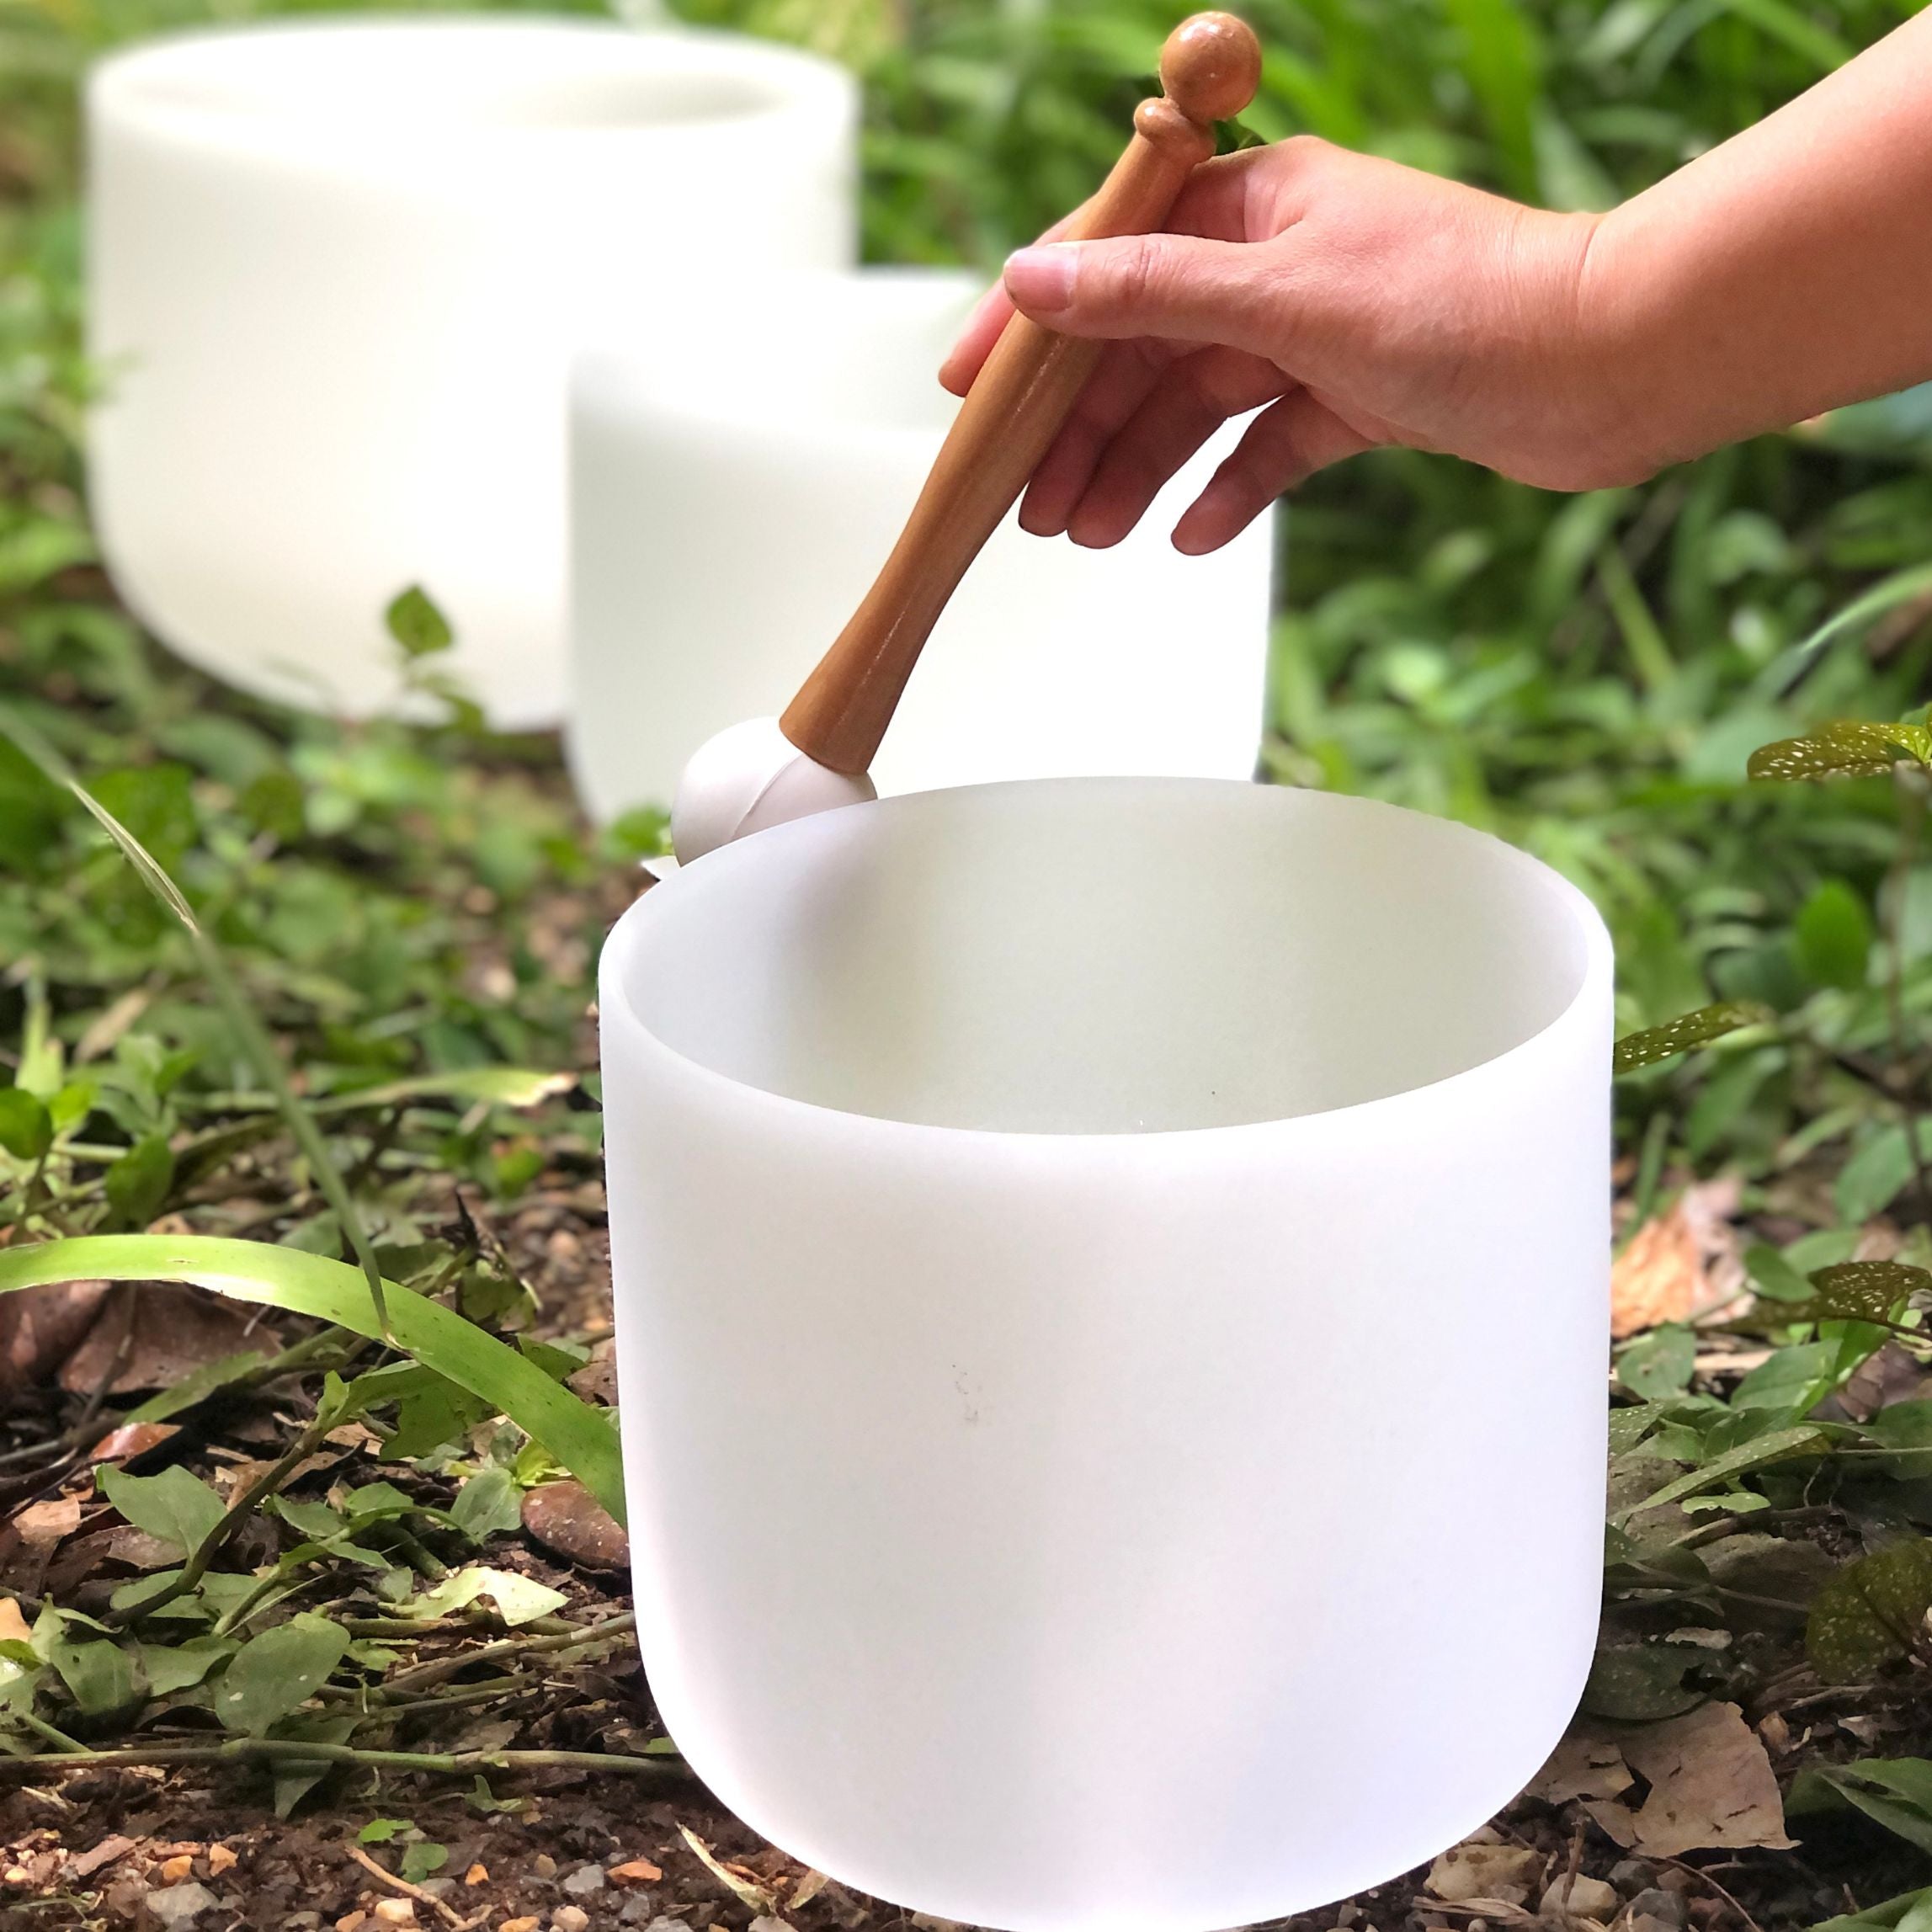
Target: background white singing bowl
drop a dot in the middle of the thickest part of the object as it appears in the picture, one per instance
(337, 270)
(736, 482)
(1111, 1294)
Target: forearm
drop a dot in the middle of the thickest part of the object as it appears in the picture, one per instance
(1785, 272)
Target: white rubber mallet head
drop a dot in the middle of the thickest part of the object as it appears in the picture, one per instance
(748, 778)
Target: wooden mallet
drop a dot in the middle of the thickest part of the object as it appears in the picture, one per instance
(767, 770)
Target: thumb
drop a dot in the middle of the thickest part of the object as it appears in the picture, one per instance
(1180, 287)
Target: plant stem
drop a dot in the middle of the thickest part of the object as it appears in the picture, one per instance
(442, 1667)
(299, 1751)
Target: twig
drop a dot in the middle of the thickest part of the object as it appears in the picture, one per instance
(422, 1675)
(409, 1891)
(1704, 1878)
(305, 1751)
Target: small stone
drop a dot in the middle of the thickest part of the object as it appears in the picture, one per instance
(519, 1926)
(1581, 1898)
(570, 1919)
(636, 1909)
(176, 1905)
(1631, 1876)
(394, 1911)
(174, 1869)
(1487, 1871)
(765, 1923)
(477, 1874)
(352, 1921)
(587, 1879)
(220, 1859)
(301, 1922)
(635, 1871)
(438, 1887)
(544, 1865)
(1668, 1907)
(662, 1924)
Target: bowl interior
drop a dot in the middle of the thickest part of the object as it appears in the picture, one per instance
(1103, 955)
(455, 75)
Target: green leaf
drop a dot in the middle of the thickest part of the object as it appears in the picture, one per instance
(1861, 1291)
(1643, 1683)
(578, 1433)
(176, 1506)
(422, 1860)
(1688, 1030)
(103, 1677)
(414, 621)
(1659, 1365)
(1842, 750)
(1895, 1792)
(380, 1831)
(1773, 1276)
(137, 1183)
(1832, 937)
(179, 1666)
(1869, 1615)
(1878, 1172)
(1774, 1447)
(1910, 1912)
(293, 1780)
(196, 1387)
(500, 1085)
(519, 1599)
(274, 1673)
(487, 1504)
(1905, 1427)
(26, 1127)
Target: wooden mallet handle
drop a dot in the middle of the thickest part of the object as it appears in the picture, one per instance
(1210, 68)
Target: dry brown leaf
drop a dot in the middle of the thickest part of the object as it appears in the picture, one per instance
(566, 1518)
(1711, 1787)
(41, 1525)
(1682, 1265)
(1505, 1872)
(130, 1439)
(40, 1328)
(1587, 1765)
(13, 1628)
(105, 1853)
(169, 1331)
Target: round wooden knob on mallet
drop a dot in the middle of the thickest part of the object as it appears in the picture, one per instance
(770, 769)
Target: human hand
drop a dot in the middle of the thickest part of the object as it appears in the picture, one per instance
(1353, 301)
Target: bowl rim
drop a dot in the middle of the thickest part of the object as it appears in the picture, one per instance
(1592, 995)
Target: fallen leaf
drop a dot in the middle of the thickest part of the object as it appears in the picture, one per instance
(220, 1859)
(808, 1888)
(1682, 1265)
(1711, 1787)
(1587, 1765)
(130, 1439)
(744, 1888)
(566, 1518)
(1503, 1872)
(13, 1626)
(597, 1380)
(87, 1863)
(44, 1523)
(40, 1328)
(169, 1331)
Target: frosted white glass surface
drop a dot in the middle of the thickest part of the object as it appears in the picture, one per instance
(1112, 1284)
(734, 488)
(336, 270)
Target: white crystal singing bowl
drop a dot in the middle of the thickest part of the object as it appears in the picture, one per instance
(736, 487)
(337, 271)
(1106, 1271)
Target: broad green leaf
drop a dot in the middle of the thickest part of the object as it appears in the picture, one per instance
(102, 1676)
(274, 1673)
(501, 1086)
(1878, 1171)
(1795, 1380)
(137, 1183)
(1869, 1614)
(579, 1435)
(26, 1127)
(175, 1505)
(1774, 1447)
(1843, 750)
(292, 1779)
(487, 1504)
(1689, 1029)
(519, 1599)
(1910, 1912)
(316, 1520)
(380, 1831)
(422, 1860)
(1832, 937)
(1896, 1792)
(415, 622)
(1905, 1427)
(1643, 1683)
(1659, 1365)
(1773, 1276)
(179, 1666)
(1861, 1291)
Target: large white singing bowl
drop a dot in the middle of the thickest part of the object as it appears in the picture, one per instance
(337, 271)
(1111, 1287)
(735, 489)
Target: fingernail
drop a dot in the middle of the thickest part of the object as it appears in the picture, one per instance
(1040, 280)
